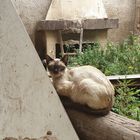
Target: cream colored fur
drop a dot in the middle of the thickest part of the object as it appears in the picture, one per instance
(85, 85)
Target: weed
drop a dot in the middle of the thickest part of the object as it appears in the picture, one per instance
(127, 101)
(115, 59)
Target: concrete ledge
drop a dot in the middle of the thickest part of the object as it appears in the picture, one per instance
(89, 24)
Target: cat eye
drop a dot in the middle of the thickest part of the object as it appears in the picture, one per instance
(51, 68)
(62, 69)
(56, 68)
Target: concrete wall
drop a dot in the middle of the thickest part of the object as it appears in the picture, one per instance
(32, 11)
(124, 10)
(76, 9)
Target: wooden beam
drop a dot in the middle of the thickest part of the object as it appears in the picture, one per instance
(109, 127)
(81, 40)
(135, 78)
(89, 24)
(61, 42)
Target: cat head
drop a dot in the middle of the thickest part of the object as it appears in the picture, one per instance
(57, 66)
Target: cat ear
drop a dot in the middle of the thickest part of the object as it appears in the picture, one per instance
(64, 59)
(44, 63)
(48, 59)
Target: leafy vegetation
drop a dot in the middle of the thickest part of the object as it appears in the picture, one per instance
(116, 59)
(127, 101)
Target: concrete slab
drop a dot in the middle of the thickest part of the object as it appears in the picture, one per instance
(76, 10)
(29, 105)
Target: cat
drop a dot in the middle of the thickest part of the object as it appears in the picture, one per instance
(84, 85)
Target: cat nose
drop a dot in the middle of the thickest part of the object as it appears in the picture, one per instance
(55, 70)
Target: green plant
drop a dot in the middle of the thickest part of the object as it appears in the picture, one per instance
(127, 101)
(114, 59)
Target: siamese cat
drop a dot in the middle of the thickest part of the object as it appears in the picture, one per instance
(86, 86)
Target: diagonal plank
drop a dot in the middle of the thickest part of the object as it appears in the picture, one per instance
(29, 105)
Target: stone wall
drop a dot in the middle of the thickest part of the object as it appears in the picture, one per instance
(124, 10)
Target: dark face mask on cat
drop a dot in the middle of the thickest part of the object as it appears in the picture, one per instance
(56, 67)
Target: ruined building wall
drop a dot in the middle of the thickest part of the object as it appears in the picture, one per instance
(124, 10)
(31, 11)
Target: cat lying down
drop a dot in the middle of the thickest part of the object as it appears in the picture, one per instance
(85, 87)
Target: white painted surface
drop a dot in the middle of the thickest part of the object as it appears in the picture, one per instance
(76, 9)
(122, 77)
(29, 105)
